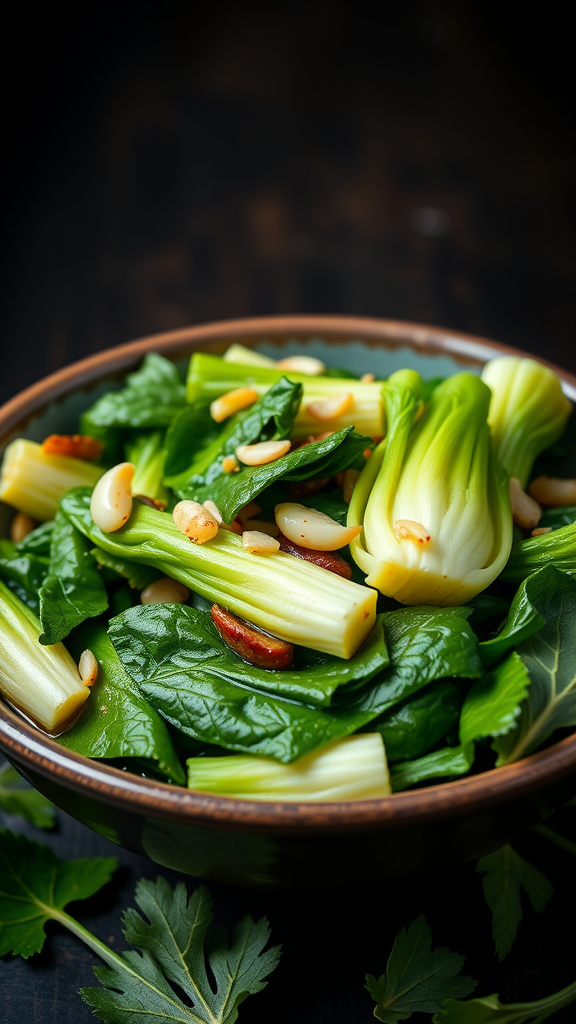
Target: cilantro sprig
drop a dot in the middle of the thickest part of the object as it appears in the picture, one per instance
(173, 944)
(417, 978)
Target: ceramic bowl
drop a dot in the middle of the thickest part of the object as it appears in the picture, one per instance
(274, 844)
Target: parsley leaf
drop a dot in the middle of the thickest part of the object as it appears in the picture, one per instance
(35, 887)
(506, 874)
(417, 978)
(171, 948)
(18, 797)
(489, 1009)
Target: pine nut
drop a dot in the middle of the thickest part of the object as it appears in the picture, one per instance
(231, 402)
(309, 366)
(258, 524)
(259, 543)
(553, 491)
(21, 526)
(408, 529)
(262, 453)
(525, 511)
(230, 464)
(350, 479)
(331, 408)
(88, 668)
(312, 529)
(540, 530)
(111, 502)
(212, 507)
(165, 591)
(195, 521)
(367, 378)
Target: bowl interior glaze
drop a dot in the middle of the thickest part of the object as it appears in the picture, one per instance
(273, 844)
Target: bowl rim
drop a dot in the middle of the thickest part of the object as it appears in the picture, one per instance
(38, 753)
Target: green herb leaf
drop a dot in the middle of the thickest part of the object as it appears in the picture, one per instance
(506, 874)
(37, 542)
(35, 887)
(18, 797)
(231, 491)
(73, 589)
(489, 1009)
(117, 721)
(417, 979)
(549, 657)
(151, 398)
(173, 948)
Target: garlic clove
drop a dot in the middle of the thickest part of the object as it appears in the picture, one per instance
(312, 529)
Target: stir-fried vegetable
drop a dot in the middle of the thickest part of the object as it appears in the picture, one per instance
(243, 490)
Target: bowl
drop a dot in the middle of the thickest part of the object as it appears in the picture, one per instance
(274, 844)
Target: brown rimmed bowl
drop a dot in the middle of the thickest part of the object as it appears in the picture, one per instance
(275, 844)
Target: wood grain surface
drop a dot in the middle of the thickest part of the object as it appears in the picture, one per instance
(176, 163)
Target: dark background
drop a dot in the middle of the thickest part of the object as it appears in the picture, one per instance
(174, 163)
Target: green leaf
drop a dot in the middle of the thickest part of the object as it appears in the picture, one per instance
(18, 797)
(489, 1009)
(196, 445)
(182, 667)
(506, 874)
(151, 398)
(493, 703)
(231, 491)
(524, 617)
(35, 887)
(173, 950)
(550, 658)
(445, 763)
(37, 542)
(117, 721)
(23, 573)
(73, 589)
(416, 725)
(418, 978)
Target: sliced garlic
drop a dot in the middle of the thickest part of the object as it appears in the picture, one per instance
(165, 591)
(525, 511)
(195, 521)
(309, 366)
(233, 401)
(88, 668)
(262, 453)
(259, 543)
(312, 529)
(409, 529)
(553, 491)
(111, 502)
(331, 408)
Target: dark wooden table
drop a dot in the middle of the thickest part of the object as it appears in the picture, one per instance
(176, 163)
